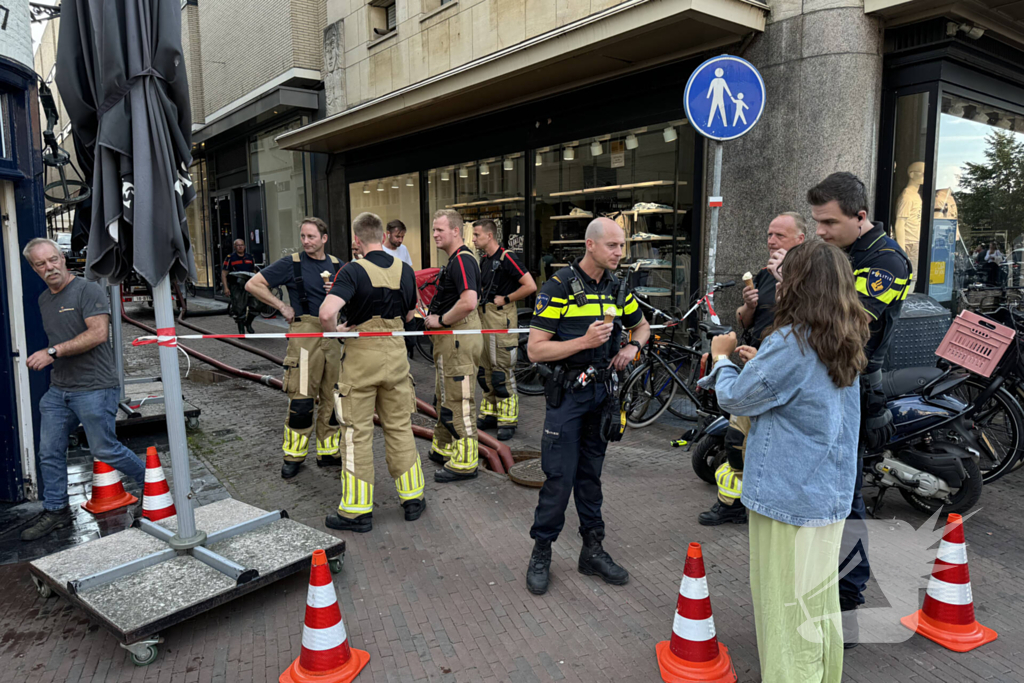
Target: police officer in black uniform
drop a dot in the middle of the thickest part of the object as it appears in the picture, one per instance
(570, 336)
(243, 305)
(881, 270)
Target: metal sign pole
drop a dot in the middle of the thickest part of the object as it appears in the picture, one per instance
(115, 327)
(187, 536)
(716, 191)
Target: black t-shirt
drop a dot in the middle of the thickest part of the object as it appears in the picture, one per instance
(461, 274)
(363, 300)
(499, 274)
(281, 272)
(240, 264)
(764, 314)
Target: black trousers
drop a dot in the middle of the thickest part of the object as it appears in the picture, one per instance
(854, 568)
(572, 455)
(242, 307)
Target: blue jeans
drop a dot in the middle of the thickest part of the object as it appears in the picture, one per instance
(60, 412)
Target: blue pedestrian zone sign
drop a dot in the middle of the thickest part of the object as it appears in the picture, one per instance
(724, 98)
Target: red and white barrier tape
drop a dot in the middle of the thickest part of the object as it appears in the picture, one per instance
(166, 336)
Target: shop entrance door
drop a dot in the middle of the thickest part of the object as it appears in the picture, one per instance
(238, 213)
(254, 208)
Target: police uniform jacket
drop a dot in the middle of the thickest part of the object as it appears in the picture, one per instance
(558, 313)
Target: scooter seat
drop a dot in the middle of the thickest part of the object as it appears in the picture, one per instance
(908, 380)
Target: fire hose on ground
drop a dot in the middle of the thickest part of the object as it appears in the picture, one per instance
(497, 454)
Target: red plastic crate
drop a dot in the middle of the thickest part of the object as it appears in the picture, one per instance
(975, 343)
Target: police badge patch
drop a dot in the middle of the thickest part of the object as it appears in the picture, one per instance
(542, 302)
(879, 282)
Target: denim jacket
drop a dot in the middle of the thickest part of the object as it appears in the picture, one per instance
(801, 459)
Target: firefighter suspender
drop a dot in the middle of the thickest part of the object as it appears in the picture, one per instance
(297, 277)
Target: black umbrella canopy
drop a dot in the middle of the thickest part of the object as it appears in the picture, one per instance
(122, 78)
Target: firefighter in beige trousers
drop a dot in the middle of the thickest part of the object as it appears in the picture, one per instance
(377, 294)
(311, 363)
(456, 357)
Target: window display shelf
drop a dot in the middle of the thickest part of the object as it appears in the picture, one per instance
(616, 188)
(567, 241)
(628, 239)
(488, 202)
(571, 218)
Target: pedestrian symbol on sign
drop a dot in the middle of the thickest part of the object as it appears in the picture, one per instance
(724, 98)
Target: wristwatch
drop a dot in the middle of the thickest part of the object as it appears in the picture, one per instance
(52, 351)
(720, 357)
(635, 343)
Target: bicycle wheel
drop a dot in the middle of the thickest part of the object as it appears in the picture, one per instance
(998, 428)
(646, 395)
(681, 405)
(528, 380)
(266, 311)
(190, 289)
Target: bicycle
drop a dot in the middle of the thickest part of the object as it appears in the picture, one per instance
(652, 387)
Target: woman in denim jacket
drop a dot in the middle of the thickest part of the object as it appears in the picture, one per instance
(800, 391)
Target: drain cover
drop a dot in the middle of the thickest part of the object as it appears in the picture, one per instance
(527, 473)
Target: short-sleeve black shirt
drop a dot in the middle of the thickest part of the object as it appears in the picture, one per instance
(364, 301)
(281, 272)
(500, 274)
(764, 314)
(239, 264)
(461, 273)
(556, 312)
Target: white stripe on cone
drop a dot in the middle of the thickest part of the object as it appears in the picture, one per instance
(159, 502)
(954, 553)
(320, 639)
(950, 593)
(321, 596)
(696, 630)
(694, 589)
(106, 479)
(154, 475)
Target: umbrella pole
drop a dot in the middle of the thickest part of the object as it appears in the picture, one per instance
(187, 536)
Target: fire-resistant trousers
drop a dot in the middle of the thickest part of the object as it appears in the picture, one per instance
(498, 365)
(311, 368)
(375, 377)
(456, 360)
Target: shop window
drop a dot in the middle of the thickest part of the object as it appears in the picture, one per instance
(285, 190)
(642, 179)
(977, 248)
(491, 188)
(198, 225)
(909, 173)
(392, 198)
(5, 128)
(383, 17)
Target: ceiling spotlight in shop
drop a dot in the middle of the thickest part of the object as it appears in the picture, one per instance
(980, 117)
(632, 142)
(444, 176)
(670, 134)
(464, 172)
(596, 149)
(538, 161)
(1004, 123)
(956, 108)
(380, 186)
(394, 183)
(366, 188)
(507, 164)
(569, 153)
(409, 182)
(485, 169)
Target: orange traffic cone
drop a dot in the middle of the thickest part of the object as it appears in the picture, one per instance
(326, 656)
(156, 494)
(107, 491)
(694, 653)
(947, 616)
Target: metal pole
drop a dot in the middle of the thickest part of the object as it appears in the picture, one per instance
(115, 326)
(716, 191)
(187, 536)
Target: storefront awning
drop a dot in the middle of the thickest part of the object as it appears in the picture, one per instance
(274, 102)
(633, 35)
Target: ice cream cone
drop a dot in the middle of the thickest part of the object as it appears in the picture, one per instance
(748, 280)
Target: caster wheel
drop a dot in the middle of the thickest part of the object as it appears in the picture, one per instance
(73, 441)
(42, 588)
(192, 422)
(148, 658)
(336, 564)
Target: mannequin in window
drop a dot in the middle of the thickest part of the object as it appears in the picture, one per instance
(907, 229)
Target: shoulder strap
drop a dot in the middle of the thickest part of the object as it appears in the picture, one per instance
(297, 276)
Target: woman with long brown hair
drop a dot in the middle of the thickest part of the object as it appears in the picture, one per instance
(802, 395)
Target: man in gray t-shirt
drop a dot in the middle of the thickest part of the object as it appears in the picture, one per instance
(83, 384)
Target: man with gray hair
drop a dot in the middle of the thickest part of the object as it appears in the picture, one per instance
(83, 384)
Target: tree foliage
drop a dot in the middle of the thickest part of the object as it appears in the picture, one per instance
(991, 197)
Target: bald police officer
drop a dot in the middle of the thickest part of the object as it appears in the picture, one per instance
(311, 364)
(568, 332)
(377, 294)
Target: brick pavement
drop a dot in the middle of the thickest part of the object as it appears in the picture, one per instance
(443, 599)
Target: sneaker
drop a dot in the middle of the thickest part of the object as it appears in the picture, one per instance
(360, 524)
(328, 461)
(720, 513)
(487, 422)
(289, 469)
(48, 522)
(414, 508)
(506, 433)
(444, 476)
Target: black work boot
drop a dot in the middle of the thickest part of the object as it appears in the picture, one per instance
(360, 524)
(539, 571)
(48, 522)
(289, 469)
(328, 461)
(505, 433)
(248, 326)
(437, 457)
(241, 327)
(720, 513)
(851, 630)
(446, 475)
(487, 422)
(594, 561)
(414, 508)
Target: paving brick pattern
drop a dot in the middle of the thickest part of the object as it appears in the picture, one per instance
(443, 599)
